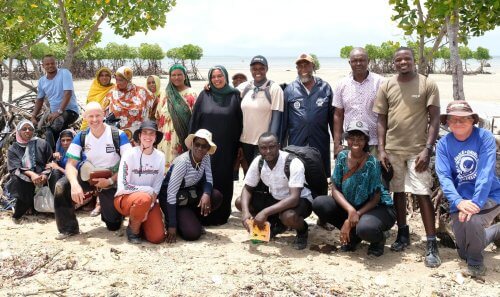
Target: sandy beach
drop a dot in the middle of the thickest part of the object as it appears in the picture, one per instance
(223, 262)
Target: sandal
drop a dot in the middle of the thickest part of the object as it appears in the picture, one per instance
(96, 211)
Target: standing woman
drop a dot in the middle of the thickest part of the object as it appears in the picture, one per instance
(174, 112)
(218, 110)
(101, 85)
(131, 104)
(153, 85)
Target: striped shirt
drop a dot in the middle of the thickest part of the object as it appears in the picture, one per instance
(182, 173)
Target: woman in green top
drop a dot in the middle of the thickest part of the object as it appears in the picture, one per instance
(360, 206)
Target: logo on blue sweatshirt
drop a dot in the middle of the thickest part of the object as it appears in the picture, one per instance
(466, 165)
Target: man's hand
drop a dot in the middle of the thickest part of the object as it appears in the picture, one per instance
(101, 183)
(353, 217)
(57, 156)
(245, 216)
(77, 194)
(344, 232)
(383, 158)
(260, 219)
(464, 217)
(52, 116)
(337, 148)
(422, 161)
(171, 235)
(204, 205)
(468, 207)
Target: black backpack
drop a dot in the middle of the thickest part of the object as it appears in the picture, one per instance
(266, 88)
(115, 133)
(313, 164)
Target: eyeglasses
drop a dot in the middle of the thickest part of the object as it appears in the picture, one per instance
(459, 120)
(27, 129)
(203, 146)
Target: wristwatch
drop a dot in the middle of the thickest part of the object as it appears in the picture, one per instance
(60, 111)
(429, 146)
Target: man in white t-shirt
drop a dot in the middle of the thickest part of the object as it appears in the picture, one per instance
(269, 195)
(100, 151)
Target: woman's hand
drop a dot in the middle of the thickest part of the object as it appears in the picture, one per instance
(171, 235)
(344, 232)
(204, 205)
(353, 217)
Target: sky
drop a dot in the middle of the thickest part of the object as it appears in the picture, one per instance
(279, 27)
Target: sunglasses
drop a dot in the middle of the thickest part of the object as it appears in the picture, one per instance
(204, 146)
(462, 120)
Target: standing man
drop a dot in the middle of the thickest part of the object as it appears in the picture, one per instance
(353, 100)
(308, 111)
(465, 165)
(406, 139)
(57, 86)
(262, 108)
(102, 147)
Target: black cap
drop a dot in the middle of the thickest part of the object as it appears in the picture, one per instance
(259, 59)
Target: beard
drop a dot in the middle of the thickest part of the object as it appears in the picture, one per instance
(305, 78)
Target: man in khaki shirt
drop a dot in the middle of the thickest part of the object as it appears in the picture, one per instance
(406, 139)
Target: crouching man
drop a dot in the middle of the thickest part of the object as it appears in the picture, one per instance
(270, 195)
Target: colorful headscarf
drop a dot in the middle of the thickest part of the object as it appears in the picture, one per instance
(177, 107)
(220, 94)
(97, 93)
(157, 83)
(65, 133)
(125, 72)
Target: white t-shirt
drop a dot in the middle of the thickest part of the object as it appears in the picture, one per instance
(257, 112)
(275, 179)
(139, 172)
(98, 151)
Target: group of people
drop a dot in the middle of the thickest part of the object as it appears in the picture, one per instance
(170, 166)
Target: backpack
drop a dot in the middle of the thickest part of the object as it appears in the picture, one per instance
(115, 134)
(266, 88)
(313, 164)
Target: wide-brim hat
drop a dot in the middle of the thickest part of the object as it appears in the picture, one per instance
(459, 108)
(151, 125)
(357, 126)
(204, 134)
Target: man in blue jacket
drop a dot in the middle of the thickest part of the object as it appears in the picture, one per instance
(465, 165)
(308, 111)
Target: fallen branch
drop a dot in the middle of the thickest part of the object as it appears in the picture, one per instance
(45, 263)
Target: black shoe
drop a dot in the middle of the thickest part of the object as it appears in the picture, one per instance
(377, 248)
(402, 240)
(300, 241)
(352, 245)
(277, 228)
(475, 271)
(432, 259)
(133, 238)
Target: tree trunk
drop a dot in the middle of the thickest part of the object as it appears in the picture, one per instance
(11, 74)
(457, 73)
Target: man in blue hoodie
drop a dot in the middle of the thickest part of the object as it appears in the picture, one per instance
(465, 165)
(308, 111)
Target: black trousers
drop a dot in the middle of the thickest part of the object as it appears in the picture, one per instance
(23, 192)
(261, 200)
(370, 226)
(250, 151)
(65, 211)
(60, 123)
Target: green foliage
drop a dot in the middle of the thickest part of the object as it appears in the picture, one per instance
(39, 50)
(150, 52)
(191, 52)
(346, 51)
(465, 53)
(317, 65)
(481, 54)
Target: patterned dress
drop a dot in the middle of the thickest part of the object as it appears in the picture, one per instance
(132, 107)
(170, 144)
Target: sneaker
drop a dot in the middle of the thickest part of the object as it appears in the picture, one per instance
(300, 241)
(377, 248)
(402, 240)
(64, 235)
(475, 270)
(133, 238)
(432, 259)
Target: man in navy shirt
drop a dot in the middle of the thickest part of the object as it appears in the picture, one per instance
(308, 111)
(465, 165)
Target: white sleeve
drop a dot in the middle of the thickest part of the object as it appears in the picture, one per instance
(161, 173)
(253, 175)
(297, 174)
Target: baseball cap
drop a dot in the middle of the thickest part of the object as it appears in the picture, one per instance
(304, 57)
(358, 126)
(259, 59)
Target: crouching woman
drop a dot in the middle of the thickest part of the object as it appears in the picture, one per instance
(187, 194)
(361, 207)
(139, 181)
